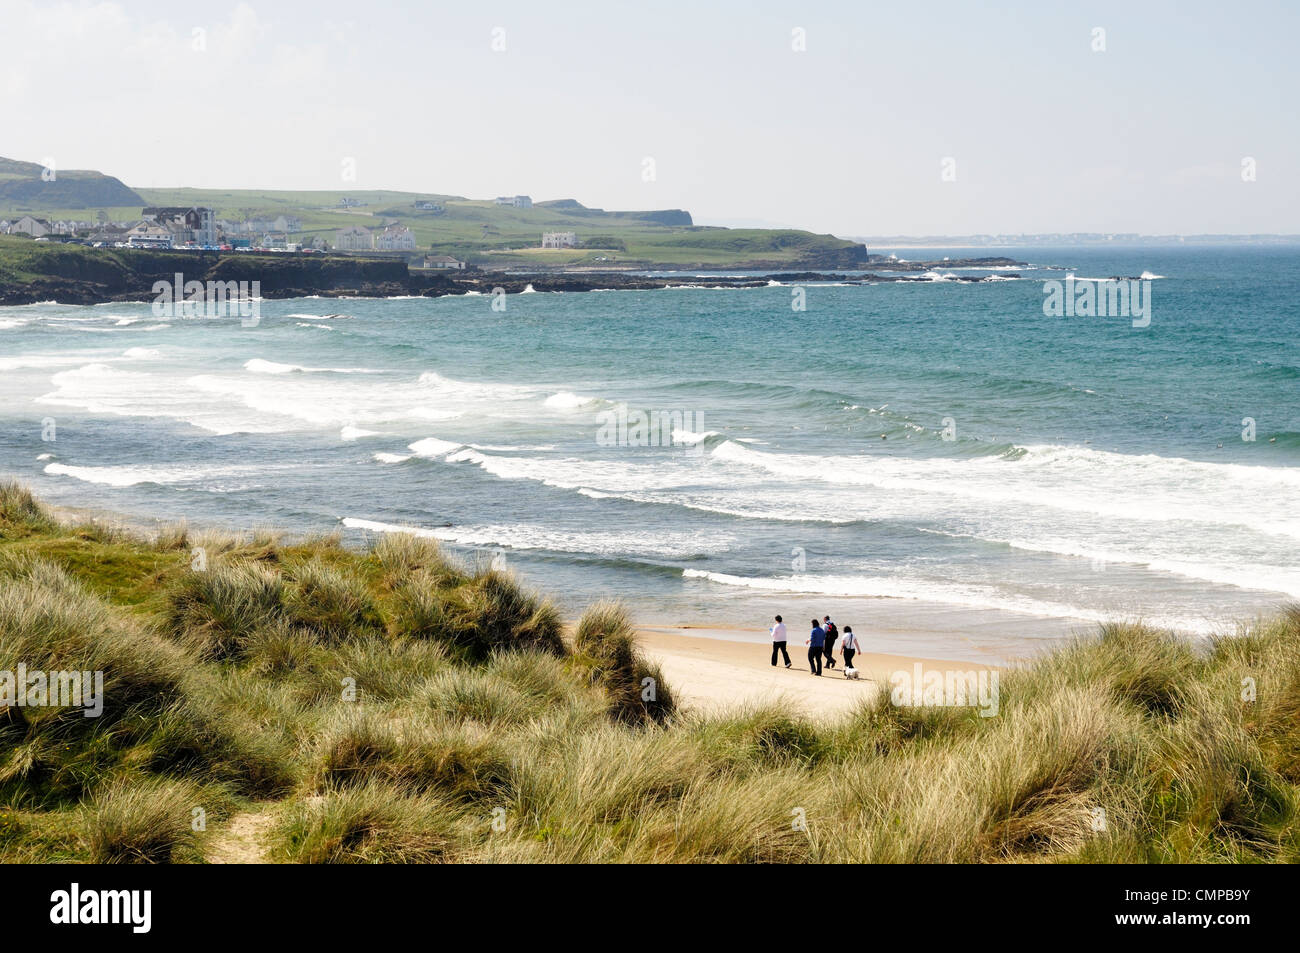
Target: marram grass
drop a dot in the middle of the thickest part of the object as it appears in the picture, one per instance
(396, 706)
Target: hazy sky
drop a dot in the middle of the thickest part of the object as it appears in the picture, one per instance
(846, 136)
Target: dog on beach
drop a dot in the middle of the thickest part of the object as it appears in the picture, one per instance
(852, 673)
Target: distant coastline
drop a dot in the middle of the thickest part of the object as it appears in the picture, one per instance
(1071, 239)
(32, 273)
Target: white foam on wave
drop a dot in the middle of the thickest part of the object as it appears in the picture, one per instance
(269, 396)
(433, 447)
(37, 361)
(566, 400)
(511, 448)
(142, 353)
(459, 391)
(356, 433)
(1264, 578)
(1145, 488)
(942, 592)
(692, 437)
(656, 543)
(432, 413)
(257, 365)
(124, 476)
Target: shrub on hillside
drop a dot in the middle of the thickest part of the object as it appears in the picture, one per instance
(218, 610)
(606, 641)
(488, 613)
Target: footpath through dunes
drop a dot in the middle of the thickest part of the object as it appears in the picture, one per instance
(243, 839)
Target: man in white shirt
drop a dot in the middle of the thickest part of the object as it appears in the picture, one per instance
(778, 641)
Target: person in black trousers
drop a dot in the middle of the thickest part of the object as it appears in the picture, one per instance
(816, 643)
(832, 634)
(778, 642)
(850, 646)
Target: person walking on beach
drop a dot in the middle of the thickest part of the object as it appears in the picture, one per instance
(816, 642)
(778, 642)
(850, 647)
(832, 634)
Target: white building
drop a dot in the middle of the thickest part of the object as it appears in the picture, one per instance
(186, 224)
(395, 238)
(354, 238)
(517, 201)
(35, 227)
(442, 262)
(150, 233)
(559, 239)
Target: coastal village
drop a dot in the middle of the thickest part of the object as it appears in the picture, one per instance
(198, 228)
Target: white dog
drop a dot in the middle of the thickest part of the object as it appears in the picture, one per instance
(852, 673)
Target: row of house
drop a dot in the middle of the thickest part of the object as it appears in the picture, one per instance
(287, 224)
(40, 227)
(394, 237)
(166, 227)
(515, 201)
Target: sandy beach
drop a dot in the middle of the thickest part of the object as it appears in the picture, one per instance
(715, 669)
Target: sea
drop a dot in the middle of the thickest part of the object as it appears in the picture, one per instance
(943, 464)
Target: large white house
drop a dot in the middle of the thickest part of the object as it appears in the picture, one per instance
(395, 238)
(517, 201)
(559, 239)
(35, 227)
(354, 238)
(186, 224)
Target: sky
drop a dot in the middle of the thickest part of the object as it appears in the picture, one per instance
(855, 118)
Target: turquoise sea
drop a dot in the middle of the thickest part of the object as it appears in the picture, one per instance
(939, 463)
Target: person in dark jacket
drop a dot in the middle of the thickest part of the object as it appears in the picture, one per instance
(832, 634)
(816, 644)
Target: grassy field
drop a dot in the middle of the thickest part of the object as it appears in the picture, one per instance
(497, 236)
(292, 701)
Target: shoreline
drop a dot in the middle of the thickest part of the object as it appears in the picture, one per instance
(280, 277)
(713, 671)
(710, 668)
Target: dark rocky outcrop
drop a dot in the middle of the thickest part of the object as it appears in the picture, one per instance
(76, 274)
